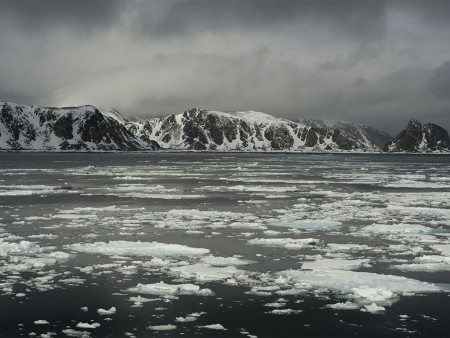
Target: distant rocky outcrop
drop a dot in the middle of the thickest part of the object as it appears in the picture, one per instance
(420, 138)
(82, 128)
(199, 129)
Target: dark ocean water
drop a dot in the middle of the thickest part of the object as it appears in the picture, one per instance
(388, 214)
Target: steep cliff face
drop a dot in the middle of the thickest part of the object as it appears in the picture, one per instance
(420, 138)
(52, 129)
(198, 129)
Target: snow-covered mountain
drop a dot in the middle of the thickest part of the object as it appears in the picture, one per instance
(82, 128)
(420, 138)
(198, 129)
(371, 137)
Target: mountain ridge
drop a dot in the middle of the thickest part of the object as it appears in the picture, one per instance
(87, 128)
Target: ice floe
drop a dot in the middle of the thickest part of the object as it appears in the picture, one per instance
(213, 327)
(335, 264)
(167, 327)
(111, 311)
(288, 243)
(163, 289)
(363, 286)
(139, 249)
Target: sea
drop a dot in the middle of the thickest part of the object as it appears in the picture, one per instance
(224, 245)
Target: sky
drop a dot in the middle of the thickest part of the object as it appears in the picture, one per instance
(375, 62)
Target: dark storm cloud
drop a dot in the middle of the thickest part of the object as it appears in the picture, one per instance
(352, 18)
(378, 62)
(37, 16)
(440, 81)
(430, 12)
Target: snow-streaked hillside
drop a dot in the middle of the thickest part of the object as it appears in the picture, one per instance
(198, 129)
(368, 135)
(84, 128)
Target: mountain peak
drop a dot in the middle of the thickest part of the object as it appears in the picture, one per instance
(420, 138)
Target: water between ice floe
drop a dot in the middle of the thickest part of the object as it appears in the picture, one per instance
(224, 244)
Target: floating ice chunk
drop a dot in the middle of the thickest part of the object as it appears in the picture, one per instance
(20, 294)
(444, 249)
(84, 308)
(41, 322)
(87, 325)
(397, 228)
(373, 308)
(284, 312)
(428, 263)
(316, 224)
(213, 327)
(346, 282)
(21, 248)
(275, 305)
(167, 327)
(126, 248)
(163, 289)
(140, 299)
(73, 281)
(225, 261)
(344, 306)
(103, 312)
(205, 272)
(46, 236)
(347, 247)
(76, 333)
(335, 264)
(374, 294)
(288, 243)
(185, 319)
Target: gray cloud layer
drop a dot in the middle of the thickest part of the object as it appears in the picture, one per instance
(376, 62)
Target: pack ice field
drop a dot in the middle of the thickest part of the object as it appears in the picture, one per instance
(228, 244)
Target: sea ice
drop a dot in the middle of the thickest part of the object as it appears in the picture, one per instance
(76, 333)
(373, 308)
(348, 305)
(316, 224)
(185, 319)
(397, 228)
(103, 312)
(224, 261)
(87, 325)
(213, 327)
(205, 272)
(284, 312)
(335, 264)
(149, 249)
(288, 243)
(163, 289)
(167, 327)
(363, 285)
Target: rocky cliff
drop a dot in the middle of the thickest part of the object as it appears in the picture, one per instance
(198, 129)
(82, 128)
(420, 138)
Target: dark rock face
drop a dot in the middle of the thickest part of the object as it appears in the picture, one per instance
(437, 137)
(63, 127)
(279, 137)
(53, 129)
(420, 138)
